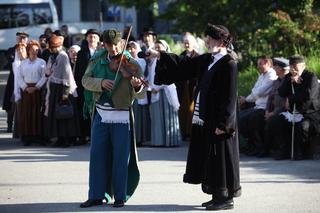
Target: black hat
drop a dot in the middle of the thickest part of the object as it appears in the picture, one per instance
(58, 33)
(111, 36)
(219, 32)
(149, 31)
(92, 31)
(23, 34)
(281, 62)
(43, 36)
(296, 59)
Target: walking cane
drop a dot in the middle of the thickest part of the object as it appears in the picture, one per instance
(293, 123)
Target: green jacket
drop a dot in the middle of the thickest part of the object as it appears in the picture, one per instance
(123, 93)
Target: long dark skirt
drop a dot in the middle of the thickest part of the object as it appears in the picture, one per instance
(142, 123)
(65, 128)
(30, 121)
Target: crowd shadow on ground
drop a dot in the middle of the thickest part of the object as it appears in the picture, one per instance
(16, 152)
(306, 171)
(74, 207)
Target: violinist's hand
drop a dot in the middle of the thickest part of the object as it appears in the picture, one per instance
(107, 84)
(135, 82)
(152, 54)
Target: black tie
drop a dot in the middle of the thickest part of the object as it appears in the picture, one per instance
(212, 59)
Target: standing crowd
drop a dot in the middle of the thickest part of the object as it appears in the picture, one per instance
(45, 79)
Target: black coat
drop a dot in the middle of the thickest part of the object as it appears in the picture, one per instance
(306, 96)
(216, 157)
(7, 99)
(82, 62)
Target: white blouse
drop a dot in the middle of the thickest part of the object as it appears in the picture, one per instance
(32, 72)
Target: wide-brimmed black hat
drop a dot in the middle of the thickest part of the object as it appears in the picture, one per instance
(92, 31)
(281, 62)
(296, 59)
(111, 36)
(149, 31)
(23, 34)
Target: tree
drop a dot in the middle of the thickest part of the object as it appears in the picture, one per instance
(282, 27)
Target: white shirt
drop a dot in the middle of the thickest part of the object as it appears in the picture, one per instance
(92, 51)
(15, 68)
(260, 91)
(217, 57)
(31, 72)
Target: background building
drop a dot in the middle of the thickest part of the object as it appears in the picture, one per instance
(81, 15)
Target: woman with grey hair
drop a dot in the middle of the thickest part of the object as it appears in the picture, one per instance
(186, 89)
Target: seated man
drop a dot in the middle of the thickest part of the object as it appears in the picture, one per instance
(261, 125)
(294, 127)
(259, 95)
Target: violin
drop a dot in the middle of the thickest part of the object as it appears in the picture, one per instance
(120, 64)
(127, 69)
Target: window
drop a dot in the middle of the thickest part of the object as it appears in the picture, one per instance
(21, 15)
(42, 14)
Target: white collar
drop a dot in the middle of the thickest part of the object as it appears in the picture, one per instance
(219, 55)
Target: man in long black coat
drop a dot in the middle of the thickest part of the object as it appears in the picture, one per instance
(213, 158)
(88, 48)
(301, 87)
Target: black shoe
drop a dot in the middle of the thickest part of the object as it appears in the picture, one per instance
(118, 203)
(90, 202)
(222, 205)
(208, 203)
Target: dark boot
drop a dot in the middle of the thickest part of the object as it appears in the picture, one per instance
(223, 204)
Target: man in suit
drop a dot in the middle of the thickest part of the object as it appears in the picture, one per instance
(213, 158)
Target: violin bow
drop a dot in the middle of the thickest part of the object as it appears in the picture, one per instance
(125, 45)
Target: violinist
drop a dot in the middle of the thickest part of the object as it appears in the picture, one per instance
(114, 78)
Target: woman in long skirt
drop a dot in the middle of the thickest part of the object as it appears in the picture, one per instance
(165, 130)
(61, 88)
(31, 77)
